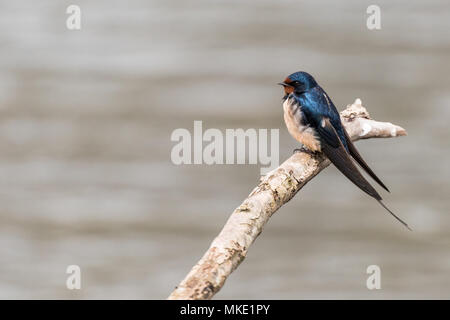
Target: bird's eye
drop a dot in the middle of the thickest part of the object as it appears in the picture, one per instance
(296, 82)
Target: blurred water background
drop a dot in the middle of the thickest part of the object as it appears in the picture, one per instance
(85, 124)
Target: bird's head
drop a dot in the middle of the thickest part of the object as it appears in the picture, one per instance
(298, 82)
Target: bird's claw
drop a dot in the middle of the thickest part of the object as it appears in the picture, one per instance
(306, 150)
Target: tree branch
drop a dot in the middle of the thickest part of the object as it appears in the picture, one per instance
(230, 247)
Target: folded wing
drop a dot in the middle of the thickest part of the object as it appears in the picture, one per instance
(335, 151)
(355, 154)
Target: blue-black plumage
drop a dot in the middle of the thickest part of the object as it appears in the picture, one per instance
(313, 120)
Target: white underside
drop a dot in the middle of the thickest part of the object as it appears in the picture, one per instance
(293, 119)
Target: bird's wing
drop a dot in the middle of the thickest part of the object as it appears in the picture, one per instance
(355, 154)
(335, 151)
(332, 112)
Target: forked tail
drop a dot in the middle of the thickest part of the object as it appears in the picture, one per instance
(393, 214)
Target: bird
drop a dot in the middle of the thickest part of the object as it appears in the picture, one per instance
(313, 120)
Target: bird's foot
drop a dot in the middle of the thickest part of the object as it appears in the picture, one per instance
(306, 150)
(302, 149)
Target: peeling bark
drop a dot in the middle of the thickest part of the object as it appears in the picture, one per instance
(244, 225)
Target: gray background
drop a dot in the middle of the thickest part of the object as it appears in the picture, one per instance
(85, 124)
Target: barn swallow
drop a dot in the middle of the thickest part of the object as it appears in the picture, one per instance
(312, 119)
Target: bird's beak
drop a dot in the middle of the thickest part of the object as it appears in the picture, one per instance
(284, 84)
